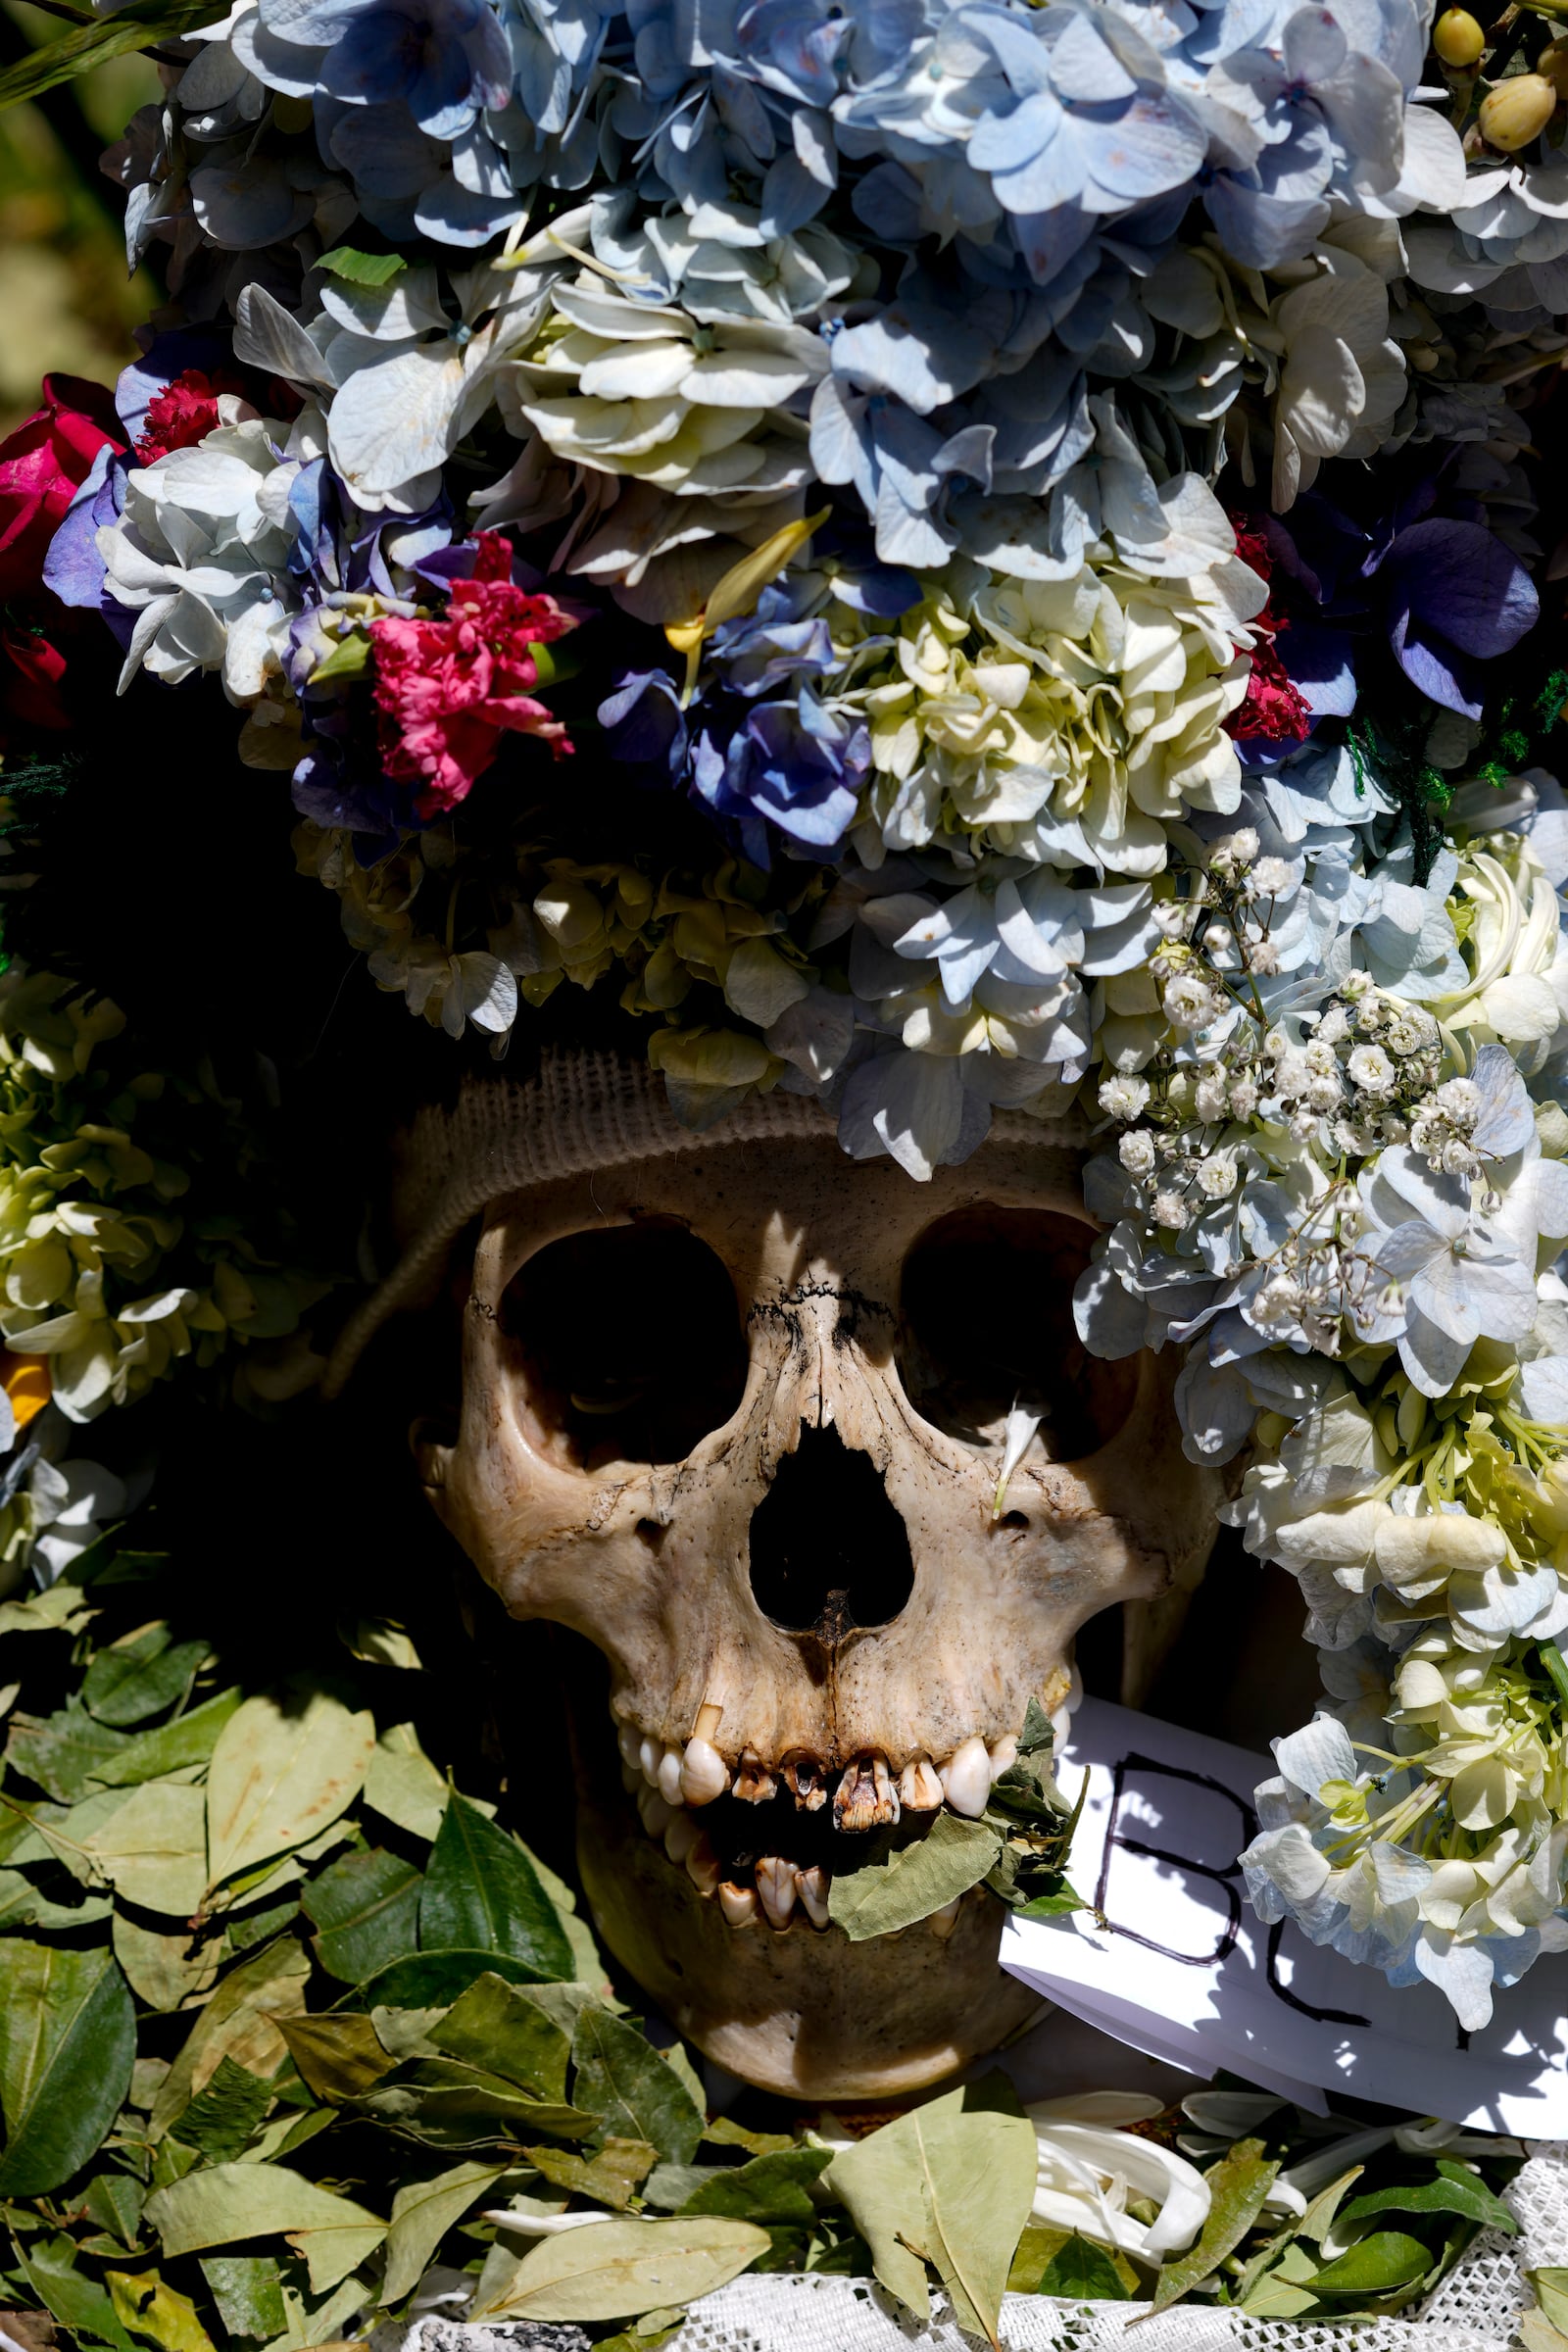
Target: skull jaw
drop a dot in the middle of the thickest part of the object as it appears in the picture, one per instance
(806, 2014)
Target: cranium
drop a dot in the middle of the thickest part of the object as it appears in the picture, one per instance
(733, 1409)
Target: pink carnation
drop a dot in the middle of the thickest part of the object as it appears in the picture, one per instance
(449, 689)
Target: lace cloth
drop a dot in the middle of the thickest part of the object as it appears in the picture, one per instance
(1474, 2310)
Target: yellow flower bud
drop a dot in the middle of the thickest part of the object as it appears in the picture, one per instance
(1552, 66)
(1457, 38)
(1517, 111)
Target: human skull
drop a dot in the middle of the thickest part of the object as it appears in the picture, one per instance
(735, 1412)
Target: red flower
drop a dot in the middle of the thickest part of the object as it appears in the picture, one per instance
(41, 466)
(449, 689)
(185, 412)
(29, 688)
(1275, 710)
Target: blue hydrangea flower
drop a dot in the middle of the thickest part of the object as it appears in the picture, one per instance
(444, 60)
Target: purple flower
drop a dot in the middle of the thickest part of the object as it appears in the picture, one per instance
(798, 766)
(1456, 596)
(74, 569)
(643, 721)
(792, 762)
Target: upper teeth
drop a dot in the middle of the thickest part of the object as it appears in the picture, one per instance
(867, 1798)
(966, 1779)
(669, 1783)
(704, 1774)
(753, 1781)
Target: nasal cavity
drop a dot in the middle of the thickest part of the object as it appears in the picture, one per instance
(828, 1550)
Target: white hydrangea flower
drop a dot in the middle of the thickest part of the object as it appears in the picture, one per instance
(200, 553)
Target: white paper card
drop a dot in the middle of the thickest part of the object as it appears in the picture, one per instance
(1185, 1970)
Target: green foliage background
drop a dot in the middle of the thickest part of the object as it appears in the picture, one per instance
(64, 296)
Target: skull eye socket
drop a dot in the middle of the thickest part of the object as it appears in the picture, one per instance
(628, 1345)
(986, 1322)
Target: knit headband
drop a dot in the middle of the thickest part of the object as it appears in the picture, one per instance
(581, 1112)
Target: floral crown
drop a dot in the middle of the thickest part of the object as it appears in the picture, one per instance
(934, 560)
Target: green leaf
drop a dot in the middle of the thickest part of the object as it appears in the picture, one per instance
(497, 2025)
(64, 1751)
(359, 268)
(58, 1834)
(1375, 2265)
(1454, 2190)
(1550, 2288)
(281, 1771)
(450, 2104)
(404, 1785)
(726, 2133)
(622, 2077)
(22, 1907)
(422, 2212)
(68, 2037)
(668, 2186)
(1080, 2272)
(153, 1847)
(587, 1962)
(1051, 1906)
(436, 1980)
(152, 2308)
(617, 2270)
(950, 2184)
(1037, 2248)
(218, 2122)
(89, 45)
(242, 1930)
(1237, 2187)
(1283, 2257)
(377, 1640)
(339, 2056)
(770, 2188)
(239, 2023)
(350, 658)
(1318, 2218)
(68, 2294)
(480, 1891)
(226, 2202)
(247, 2291)
(188, 1740)
(166, 1970)
(612, 2176)
(1026, 1807)
(1026, 1792)
(62, 1608)
(114, 2200)
(142, 1677)
(881, 1898)
(367, 1909)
